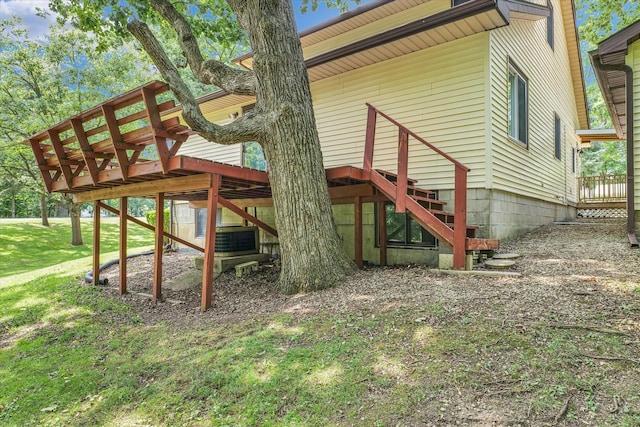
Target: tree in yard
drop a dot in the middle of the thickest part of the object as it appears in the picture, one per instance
(282, 121)
(598, 20)
(45, 81)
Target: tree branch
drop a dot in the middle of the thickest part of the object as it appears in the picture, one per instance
(241, 82)
(249, 127)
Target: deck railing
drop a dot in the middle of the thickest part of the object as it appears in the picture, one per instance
(602, 188)
(457, 239)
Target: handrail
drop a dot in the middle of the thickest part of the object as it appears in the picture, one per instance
(419, 138)
(602, 188)
(458, 242)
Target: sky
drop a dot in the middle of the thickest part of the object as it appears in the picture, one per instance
(39, 26)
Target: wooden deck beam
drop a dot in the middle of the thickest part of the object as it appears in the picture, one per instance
(182, 183)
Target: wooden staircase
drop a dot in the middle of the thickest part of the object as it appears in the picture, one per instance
(450, 228)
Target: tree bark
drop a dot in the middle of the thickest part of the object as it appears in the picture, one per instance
(76, 234)
(43, 210)
(282, 122)
(312, 254)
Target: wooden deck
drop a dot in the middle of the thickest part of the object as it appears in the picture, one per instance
(123, 149)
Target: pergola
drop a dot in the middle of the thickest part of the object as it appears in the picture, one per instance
(123, 148)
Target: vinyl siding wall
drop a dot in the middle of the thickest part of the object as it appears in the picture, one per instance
(534, 172)
(197, 146)
(439, 93)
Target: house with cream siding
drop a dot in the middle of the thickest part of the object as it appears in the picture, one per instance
(494, 84)
(616, 62)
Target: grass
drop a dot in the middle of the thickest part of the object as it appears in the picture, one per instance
(28, 246)
(70, 357)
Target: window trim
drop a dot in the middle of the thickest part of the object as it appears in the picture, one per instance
(203, 233)
(405, 245)
(514, 70)
(455, 3)
(557, 136)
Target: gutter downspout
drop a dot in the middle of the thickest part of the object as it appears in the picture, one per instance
(631, 221)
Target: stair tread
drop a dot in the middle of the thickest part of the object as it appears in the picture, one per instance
(388, 175)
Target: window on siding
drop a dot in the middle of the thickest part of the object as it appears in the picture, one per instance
(458, 2)
(403, 231)
(557, 136)
(201, 221)
(550, 25)
(252, 153)
(574, 159)
(518, 109)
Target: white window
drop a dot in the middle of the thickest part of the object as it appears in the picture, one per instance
(518, 108)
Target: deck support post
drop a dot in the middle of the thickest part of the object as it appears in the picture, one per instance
(123, 245)
(460, 219)
(210, 244)
(382, 232)
(96, 242)
(358, 230)
(159, 249)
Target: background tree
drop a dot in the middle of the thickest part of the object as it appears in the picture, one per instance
(599, 19)
(282, 121)
(45, 81)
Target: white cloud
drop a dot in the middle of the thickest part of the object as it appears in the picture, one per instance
(26, 9)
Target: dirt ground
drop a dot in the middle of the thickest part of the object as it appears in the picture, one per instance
(580, 273)
(558, 260)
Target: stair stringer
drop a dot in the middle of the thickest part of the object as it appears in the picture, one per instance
(425, 218)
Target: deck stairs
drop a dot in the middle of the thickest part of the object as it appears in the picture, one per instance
(450, 228)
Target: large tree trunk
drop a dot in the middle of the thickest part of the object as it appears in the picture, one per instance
(76, 234)
(43, 210)
(312, 253)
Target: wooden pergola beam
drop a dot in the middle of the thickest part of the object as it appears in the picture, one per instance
(54, 137)
(88, 154)
(149, 98)
(182, 183)
(116, 139)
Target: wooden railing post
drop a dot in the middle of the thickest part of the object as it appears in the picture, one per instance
(460, 218)
(369, 139)
(403, 160)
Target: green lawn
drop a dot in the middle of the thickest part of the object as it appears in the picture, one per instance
(28, 246)
(71, 357)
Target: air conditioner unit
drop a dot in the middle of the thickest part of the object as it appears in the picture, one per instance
(237, 240)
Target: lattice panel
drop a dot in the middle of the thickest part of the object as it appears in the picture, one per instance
(603, 213)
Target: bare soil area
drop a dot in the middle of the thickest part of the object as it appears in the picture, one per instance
(581, 278)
